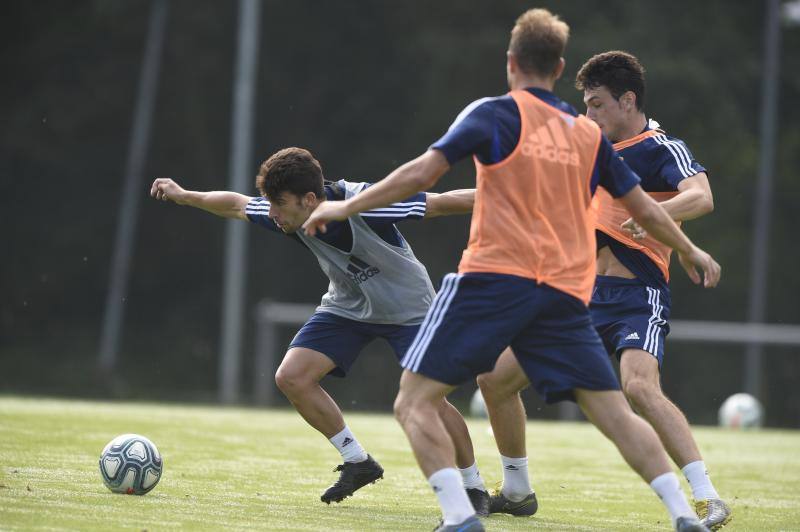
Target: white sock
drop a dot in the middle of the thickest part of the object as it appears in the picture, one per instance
(453, 499)
(668, 488)
(472, 477)
(516, 485)
(697, 475)
(348, 446)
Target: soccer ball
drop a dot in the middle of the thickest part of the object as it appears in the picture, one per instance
(741, 410)
(477, 406)
(130, 464)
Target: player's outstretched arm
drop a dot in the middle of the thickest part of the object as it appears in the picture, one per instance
(222, 203)
(654, 219)
(414, 176)
(694, 199)
(451, 202)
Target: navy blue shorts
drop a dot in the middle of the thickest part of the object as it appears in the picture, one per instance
(475, 316)
(630, 315)
(342, 340)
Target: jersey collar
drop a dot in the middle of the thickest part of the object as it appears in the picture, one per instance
(650, 130)
(552, 100)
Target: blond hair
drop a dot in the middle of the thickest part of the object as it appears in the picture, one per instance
(538, 40)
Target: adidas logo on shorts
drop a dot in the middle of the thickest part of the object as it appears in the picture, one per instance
(360, 271)
(633, 336)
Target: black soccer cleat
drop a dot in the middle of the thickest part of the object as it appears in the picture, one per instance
(480, 501)
(354, 475)
(498, 504)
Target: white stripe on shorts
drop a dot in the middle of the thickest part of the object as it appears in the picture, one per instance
(437, 301)
(655, 321)
(432, 321)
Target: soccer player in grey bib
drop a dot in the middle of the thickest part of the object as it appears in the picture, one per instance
(378, 289)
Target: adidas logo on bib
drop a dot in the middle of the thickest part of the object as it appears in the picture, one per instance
(550, 143)
(360, 271)
(633, 336)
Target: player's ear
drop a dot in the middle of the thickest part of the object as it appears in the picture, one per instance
(628, 100)
(511, 62)
(562, 63)
(309, 198)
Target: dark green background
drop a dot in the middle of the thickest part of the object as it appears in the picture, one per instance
(365, 86)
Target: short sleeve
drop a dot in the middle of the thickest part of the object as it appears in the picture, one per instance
(257, 211)
(674, 161)
(471, 132)
(612, 173)
(412, 208)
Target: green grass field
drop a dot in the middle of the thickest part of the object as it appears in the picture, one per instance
(248, 469)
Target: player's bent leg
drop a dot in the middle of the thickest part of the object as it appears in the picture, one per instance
(635, 439)
(640, 376)
(640, 447)
(417, 409)
(500, 389)
(465, 457)
(457, 429)
(298, 378)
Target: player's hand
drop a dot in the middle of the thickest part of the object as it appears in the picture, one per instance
(636, 231)
(327, 211)
(697, 258)
(165, 189)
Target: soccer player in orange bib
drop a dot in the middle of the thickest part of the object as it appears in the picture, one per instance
(526, 277)
(631, 301)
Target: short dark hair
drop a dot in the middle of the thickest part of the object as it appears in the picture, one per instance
(292, 170)
(538, 40)
(618, 71)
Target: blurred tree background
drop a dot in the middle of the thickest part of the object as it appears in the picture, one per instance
(365, 85)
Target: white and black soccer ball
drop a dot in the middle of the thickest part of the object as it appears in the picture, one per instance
(131, 464)
(741, 411)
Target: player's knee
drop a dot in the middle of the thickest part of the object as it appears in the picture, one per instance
(290, 381)
(406, 405)
(282, 380)
(402, 407)
(494, 389)
(641, 392)
(486, 384)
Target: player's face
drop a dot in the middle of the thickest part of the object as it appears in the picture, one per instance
(289, 211)
(605, 110)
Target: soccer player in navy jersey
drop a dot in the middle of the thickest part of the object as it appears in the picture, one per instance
(526, 277)
(378, 289)
(631, 301)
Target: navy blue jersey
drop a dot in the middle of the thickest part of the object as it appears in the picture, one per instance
(662, 162)
(489, 129)
(339, 234)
